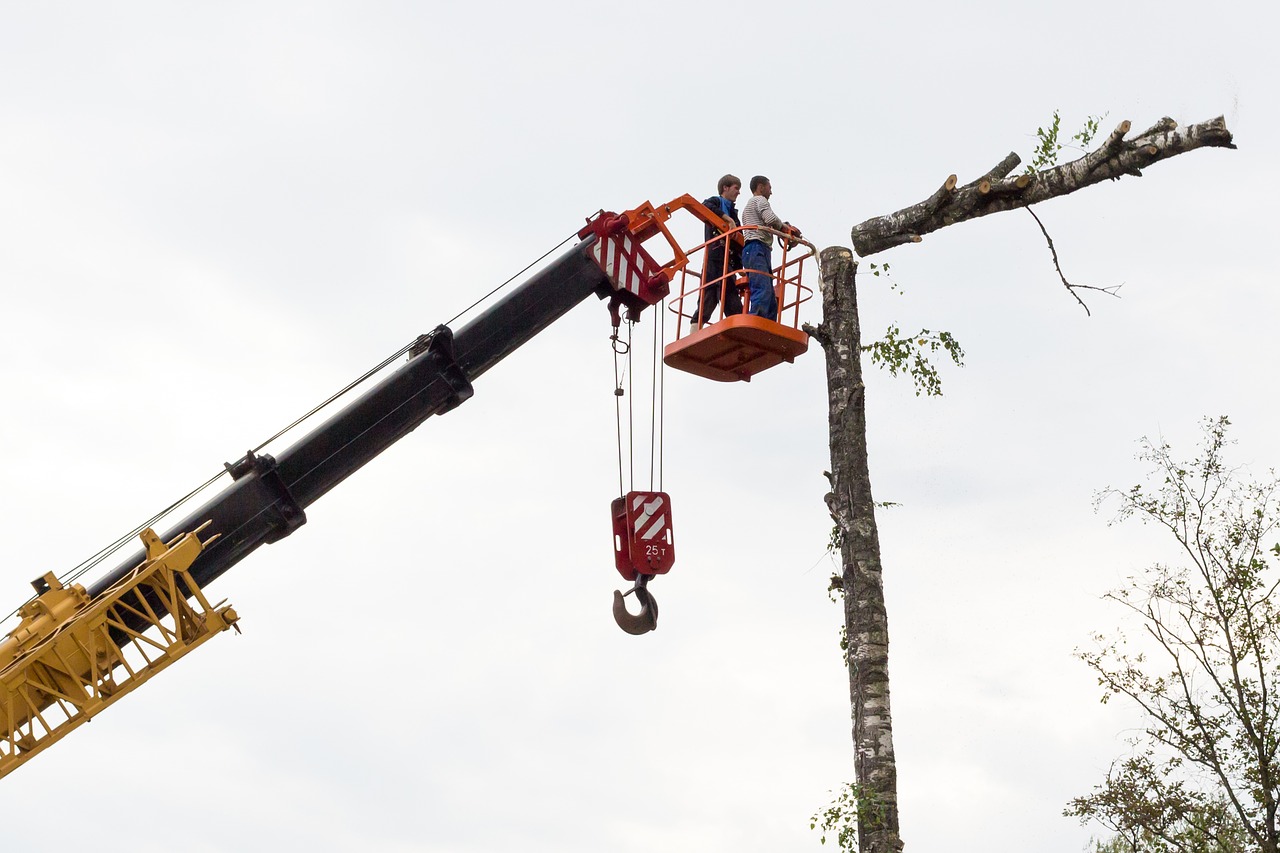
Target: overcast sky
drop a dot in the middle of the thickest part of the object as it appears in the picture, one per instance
(212, 216)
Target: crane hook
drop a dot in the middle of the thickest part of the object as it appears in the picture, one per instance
(636, 623)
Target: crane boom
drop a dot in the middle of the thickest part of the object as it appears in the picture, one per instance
(269, 496)
(78, 650)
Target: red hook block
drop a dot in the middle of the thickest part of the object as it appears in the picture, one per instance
(642, 538)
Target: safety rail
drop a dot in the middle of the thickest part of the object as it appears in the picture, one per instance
(787, 277)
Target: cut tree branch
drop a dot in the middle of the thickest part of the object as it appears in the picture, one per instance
(995, 191)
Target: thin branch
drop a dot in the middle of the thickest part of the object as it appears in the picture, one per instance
(1071, 288)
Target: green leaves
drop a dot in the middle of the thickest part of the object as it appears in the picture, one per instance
(1086, 134)
(836, 540)
(840, 818)
(1150, 809)
(910, 354)
(879, 270)
(1205, 668)
(1045, 154)
(1046, 151)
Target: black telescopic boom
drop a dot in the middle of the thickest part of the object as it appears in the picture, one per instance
(268, 497)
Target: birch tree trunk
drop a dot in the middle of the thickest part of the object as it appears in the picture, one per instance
(852, 508)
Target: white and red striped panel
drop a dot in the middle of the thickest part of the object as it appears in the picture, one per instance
(650, 516)
(652, 546)
(625, 262)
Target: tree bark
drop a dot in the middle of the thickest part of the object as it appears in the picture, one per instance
(996, 191)
(852, 508)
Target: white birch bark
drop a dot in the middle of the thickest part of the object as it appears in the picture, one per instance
(996, 191)
(852, 508)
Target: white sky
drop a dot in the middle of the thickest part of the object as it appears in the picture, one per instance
(211, 217)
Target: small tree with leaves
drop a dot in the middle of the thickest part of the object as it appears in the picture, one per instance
(1204, 669)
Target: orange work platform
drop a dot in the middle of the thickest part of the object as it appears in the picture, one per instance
(733, 347)
(737, 347)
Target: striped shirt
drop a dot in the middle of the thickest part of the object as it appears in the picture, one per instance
(758, 212)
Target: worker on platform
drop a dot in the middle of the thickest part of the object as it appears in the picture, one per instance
(757, 254)
(723, 204)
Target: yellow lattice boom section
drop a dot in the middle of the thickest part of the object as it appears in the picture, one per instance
(72, 656)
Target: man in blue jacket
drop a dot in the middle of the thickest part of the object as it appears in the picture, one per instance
(723, 204)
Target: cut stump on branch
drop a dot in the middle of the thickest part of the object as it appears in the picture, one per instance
(996, 191)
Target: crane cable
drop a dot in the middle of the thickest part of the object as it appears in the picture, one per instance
(662, 394)
(621, 373)
(623, 376)
(514, 277)
(655, 403)
(89, 563)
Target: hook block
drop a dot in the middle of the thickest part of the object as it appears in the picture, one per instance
(642, 539)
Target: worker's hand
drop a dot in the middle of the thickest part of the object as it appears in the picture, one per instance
(793, 234)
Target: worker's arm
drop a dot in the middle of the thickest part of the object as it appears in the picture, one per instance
(768, 217)
(773, 221)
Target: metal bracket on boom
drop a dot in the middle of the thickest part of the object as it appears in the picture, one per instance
(289, 513)
(439, 343)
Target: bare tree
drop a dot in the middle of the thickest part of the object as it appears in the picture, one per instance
(874, 791)
(1205, 668)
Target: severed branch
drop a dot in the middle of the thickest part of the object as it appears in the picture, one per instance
(996, 191)
(1071, 288)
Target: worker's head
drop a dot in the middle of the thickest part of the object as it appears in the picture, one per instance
(729, 187)
(760, 186)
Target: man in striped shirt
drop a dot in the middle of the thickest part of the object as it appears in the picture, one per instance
(757, 253)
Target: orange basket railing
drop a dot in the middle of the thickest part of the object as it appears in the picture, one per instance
(787, 275)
